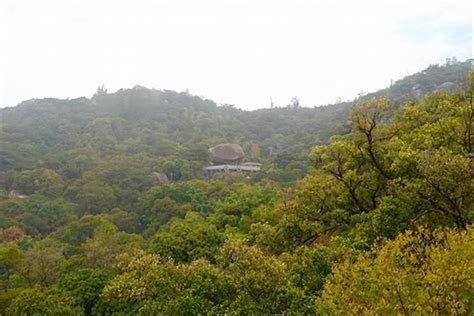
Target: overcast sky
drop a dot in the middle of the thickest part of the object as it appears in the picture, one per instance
(241, 52)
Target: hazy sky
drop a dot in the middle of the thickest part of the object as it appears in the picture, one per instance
(240, 52)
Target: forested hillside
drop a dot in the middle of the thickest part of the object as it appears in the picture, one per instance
(360, 207)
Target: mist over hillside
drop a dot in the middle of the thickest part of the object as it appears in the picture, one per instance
(108, 205)
(167, 123)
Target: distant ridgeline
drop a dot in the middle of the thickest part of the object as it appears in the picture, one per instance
(449, 77)
(105, 207)
(170, 132)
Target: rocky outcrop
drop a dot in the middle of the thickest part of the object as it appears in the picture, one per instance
(226, 154)
(160, 177)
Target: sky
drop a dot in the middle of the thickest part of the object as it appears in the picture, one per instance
(241, 52)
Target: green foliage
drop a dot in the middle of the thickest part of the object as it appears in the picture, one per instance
(203, 289)
(142, 277)
(95, 197)
(43, 264)
(38, 215)
(309, 267)
(262, 282)
(107, 242)
(125, 221)
(165, 209)
(39, 301)
(380, 179)
(419, 272)
(189, 192)
(11, 259)
(244, 281)
(187, 239)
(78, 231)
(84, 286)
(375, 221)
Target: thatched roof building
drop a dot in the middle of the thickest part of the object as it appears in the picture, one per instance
(226, 154)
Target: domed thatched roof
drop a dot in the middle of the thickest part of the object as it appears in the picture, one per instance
(226, 153)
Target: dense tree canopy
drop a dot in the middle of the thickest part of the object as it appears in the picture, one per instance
(105, 210)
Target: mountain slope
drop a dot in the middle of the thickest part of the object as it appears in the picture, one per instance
(166, 122)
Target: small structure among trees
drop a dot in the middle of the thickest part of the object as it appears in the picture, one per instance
(228, 158)
(226, 154)
(16, 195)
